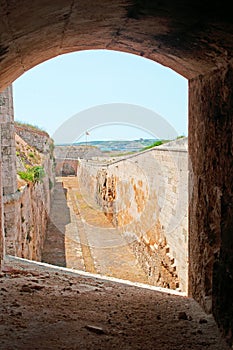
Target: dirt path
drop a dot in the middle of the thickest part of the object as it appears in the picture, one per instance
(62, 245)
(90, 242)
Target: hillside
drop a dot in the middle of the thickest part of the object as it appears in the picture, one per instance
(119, 145)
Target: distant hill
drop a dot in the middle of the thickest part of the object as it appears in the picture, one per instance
(106, 149)
(118, 146)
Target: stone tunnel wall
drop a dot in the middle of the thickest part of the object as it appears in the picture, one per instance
(211, 205)
(146, 197)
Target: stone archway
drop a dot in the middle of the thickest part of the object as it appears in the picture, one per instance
(195, 41)
(66, 167)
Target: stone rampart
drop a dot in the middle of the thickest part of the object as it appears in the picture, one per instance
(146, 197)
(76, 151)
(35, 137)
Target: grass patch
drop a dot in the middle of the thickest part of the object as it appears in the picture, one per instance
(31, 126)
(154, 144)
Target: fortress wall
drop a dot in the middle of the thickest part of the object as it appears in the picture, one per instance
(25, 206)
(146, 197)
(76, 151)
(25, 217)
(35, 137)
(26, 214)
(9, 182)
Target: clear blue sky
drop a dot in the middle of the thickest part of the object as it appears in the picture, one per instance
(51, 93)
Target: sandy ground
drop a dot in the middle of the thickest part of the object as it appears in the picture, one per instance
(44, 308)
(81, 237)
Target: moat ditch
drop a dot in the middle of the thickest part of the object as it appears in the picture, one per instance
(82, 238)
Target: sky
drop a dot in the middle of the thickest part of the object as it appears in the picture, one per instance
(109, 94)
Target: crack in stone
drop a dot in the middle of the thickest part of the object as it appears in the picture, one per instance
(117, 34)
(67, 21)
(3, 51)
(17, 48)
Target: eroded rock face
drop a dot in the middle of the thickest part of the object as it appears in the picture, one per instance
(145, 196)
(211, 211)
(26, 210)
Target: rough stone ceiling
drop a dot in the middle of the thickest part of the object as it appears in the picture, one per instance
(192, 38)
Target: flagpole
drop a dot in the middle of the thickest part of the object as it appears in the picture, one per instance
(87, 133)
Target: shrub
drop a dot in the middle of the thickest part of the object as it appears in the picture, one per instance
(30, 126)
(156, 143)
(26, 175)
(32, 155)
(39, 173)
(32, 174)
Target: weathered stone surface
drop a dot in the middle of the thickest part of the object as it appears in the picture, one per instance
(9, 182)
(211, 210)
(35, 137)
(25, 220)
(146, 198)
(26, 211)
(76, 151)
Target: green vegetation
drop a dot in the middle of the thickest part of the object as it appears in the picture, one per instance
(27, 125)
(156, 143)
(160, 142)
(33, 174)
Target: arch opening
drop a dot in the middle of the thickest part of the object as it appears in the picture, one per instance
(118, 114)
